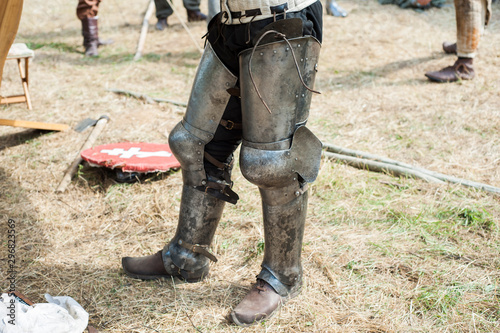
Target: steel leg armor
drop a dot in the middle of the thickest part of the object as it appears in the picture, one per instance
(187, 253)
(279, 154)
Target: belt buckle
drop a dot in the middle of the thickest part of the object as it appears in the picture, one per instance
(229, 125)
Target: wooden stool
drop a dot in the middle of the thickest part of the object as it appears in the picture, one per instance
(19, 51)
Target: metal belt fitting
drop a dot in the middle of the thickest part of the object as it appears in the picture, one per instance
(230, 125)
(279, 9)
(197, 248)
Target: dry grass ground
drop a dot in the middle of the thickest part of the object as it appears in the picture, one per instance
(381, 254)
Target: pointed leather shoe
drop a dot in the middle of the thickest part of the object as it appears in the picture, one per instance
(259, 304)
(450, 48)
(145, 268)
(461, 70)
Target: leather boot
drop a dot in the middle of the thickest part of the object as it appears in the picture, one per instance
(260, 303)
(186, 256)
(332, 8)
(195, 15)
(450, 48)
(145, 268)
(281, 276)
(462, 69)
(90, 36)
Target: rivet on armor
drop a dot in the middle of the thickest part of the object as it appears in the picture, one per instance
(287, 48)
(200, 169)
(275, 51)
(298, 45)
(172, 266)
(198, 160)
(199, 143)
(203, 182)
(303, 95)
(301, 60)
(180, 241)
(199, 152)
(296, 159)
(297, 193)
(296, 96)
(227, 84)
(261, 53)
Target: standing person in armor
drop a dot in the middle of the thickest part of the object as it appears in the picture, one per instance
(471, 17)
(86, 11)
(253, 86)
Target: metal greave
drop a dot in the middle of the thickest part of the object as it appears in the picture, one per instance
(284, 231)
(187, 253)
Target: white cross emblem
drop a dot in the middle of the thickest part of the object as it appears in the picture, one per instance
(135, 151)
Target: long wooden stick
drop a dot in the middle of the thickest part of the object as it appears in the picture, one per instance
(145, 97)
(367, 157)
(144, 30)
(34, 124)
(381, 167)
(99, 126)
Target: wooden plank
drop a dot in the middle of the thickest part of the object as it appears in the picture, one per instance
(12, 99)
(34, 124)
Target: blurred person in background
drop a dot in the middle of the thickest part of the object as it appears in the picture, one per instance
(164, 10)
(471, 18)
(86, 11)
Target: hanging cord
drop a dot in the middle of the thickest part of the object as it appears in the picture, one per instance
(278, 34)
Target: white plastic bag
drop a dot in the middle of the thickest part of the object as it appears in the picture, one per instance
(62, 314)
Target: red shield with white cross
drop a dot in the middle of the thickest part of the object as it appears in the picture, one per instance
(132, 157)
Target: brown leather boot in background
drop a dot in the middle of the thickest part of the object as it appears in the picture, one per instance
(90, 33)
(462, 69)
(90, 36)
(195, 15)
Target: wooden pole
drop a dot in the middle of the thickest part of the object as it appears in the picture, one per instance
(99, 126)
(144, 30)
(381, 167)
(365, 160)
(34, 124)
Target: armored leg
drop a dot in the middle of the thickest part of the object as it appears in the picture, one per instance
(279, 155)
(203, 197)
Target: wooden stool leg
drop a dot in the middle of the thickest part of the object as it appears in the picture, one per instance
(24, 79)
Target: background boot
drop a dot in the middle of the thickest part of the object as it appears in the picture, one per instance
(195, 15)
(450, 48)
(462, 69)
(161, 24)
(332, 8)
(90, 36)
